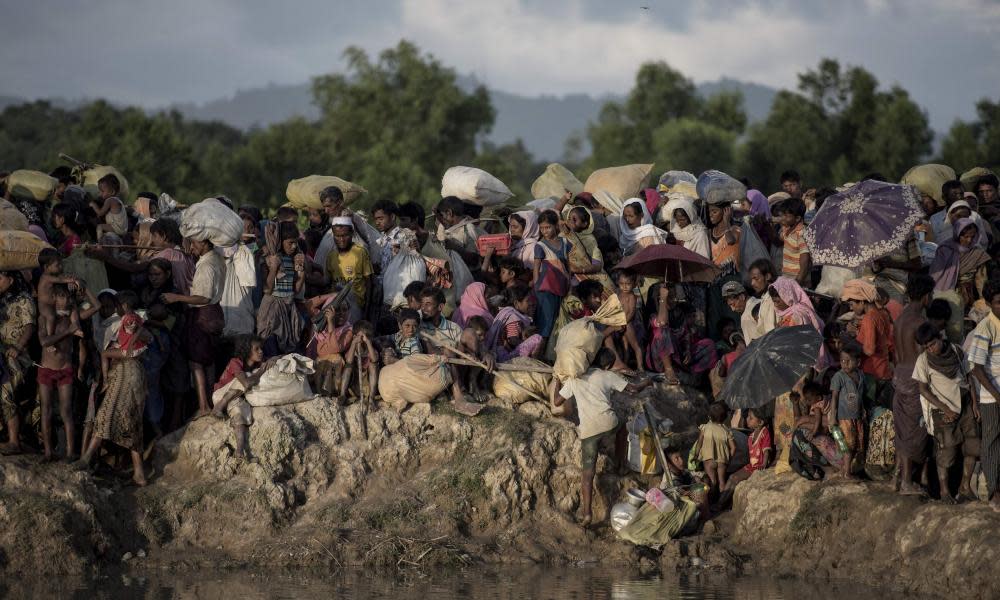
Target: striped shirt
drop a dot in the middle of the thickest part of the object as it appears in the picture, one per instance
(985, 351)
(795, 246)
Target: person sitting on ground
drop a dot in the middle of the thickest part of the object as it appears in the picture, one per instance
(512, 333)
(406, 341)
(473, 342)
(242, 373)
(591, 395)
(716, 445)
(56, 333)
(760, 450)
(813, 425)
(951, 408)
(847, 393)
(442, 337)
(332, 343)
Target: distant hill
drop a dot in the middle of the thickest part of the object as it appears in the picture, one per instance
(543, 122)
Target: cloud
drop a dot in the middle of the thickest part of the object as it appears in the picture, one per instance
(154, 53)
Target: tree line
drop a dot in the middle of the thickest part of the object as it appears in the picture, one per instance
(395, 123)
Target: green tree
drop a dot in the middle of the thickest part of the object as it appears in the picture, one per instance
(899, 137)
(395, 125)
(960, 149)
(725, 110)
(693, 145)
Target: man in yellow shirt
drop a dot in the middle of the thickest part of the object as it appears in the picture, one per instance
(349, 263)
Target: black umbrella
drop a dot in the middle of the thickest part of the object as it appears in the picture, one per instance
(771, 366)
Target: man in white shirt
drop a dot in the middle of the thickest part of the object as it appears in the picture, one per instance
(984, 358)
(591, 394)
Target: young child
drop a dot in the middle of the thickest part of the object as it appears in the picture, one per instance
(406, 341)
(473, 341)
(361, 358)
(55, 374)
(512, 272)
(332, 342)
(591, 394)
(50, 264)
(716, 445)
(64, 220)
(847, 389)
(412, 294)
(632, 305)
(760, 449)
(241, 374)
(110, 208)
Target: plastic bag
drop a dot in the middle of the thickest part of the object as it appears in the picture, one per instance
(213, 221)
(625, 181)
(752, 248)
(621, 515)
(403, 269)
(237, 297)
(19, 250)
(304, 193)
(31, 185)
(474, 186)
(554, 182)
(716, 187)
(285, 382)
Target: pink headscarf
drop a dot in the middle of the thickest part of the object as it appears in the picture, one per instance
(652, 198)
(473, 304)
(799, 306)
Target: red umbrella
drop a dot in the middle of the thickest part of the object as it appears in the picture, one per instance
(673, 262)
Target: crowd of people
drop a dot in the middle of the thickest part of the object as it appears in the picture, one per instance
(907, 376)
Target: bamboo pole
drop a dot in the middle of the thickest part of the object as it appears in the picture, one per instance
(482, 365)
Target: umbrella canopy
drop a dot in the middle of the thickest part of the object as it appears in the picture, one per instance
(673, 262)
(771, 365)
(863, 223)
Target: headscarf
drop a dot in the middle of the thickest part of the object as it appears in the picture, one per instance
(38, 232)
(524, 249)
(473, 304)
(505, 316)
(798, 303)
(859, 289)
(953, 260)
(130, 341)
(652, 198)
(628, 238)
(758, 204)
(694, 237)
(948, 362)
(982, 240)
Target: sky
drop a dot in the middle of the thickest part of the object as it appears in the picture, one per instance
(154, 53)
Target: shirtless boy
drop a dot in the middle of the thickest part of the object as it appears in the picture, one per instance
(56, 331)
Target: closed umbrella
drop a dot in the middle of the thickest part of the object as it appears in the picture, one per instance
(864, 223)
(771, 365)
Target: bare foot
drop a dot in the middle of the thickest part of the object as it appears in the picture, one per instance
(995, 503)
(910, 489)
(139, 480)
(466, 408)
(9, 449)
(584, 520)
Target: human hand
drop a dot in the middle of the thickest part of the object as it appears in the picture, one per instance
(490, 361)
(664, 293)
(273, 262)
(170, 298)
(950, 416)
(299, 262)
(11, 353)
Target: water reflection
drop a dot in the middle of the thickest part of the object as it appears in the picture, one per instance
(555, 583)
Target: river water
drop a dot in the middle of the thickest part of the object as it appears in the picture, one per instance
(554, 583)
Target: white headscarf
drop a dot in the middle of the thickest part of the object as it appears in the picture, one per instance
(629, 238)
(694, 237)
(982, 241)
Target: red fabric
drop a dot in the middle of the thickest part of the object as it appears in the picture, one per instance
(234, 368)
(55, 377)
(875, 336)
(652, 198)
(126, 340)
(757, 447)
(71, 242)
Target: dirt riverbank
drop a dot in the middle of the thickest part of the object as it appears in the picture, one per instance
(342, 486)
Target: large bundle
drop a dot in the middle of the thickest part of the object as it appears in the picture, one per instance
(529, 380)
(971, 177)
(11, 218)
(31, 185)
(580, 340)
(404, 268)
(474, 186)
(91, 175)
(929, 179)
(213, 221)
(19, 250)
(672, 178)
(715, 187)
(304, 193)
(624, 182)
(554, 182)
(285, 382)
(416, 379)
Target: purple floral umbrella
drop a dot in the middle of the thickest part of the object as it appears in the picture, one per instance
(863, 223)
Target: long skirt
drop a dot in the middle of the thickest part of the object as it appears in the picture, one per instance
(119, 418)
(280, 318)
(911, 437)
(203, 330)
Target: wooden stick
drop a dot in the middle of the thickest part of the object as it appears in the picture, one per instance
(128, 246)
(482, 365)
(504, 366)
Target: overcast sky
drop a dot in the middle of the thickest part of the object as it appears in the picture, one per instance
(153, 53)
